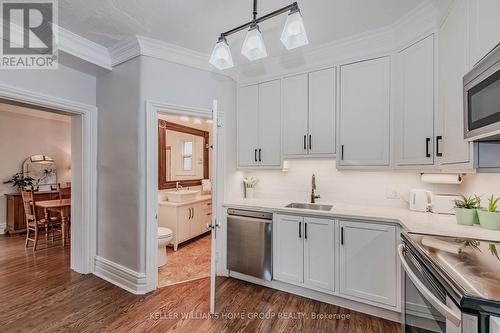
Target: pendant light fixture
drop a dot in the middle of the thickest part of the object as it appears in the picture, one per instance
(293, 36)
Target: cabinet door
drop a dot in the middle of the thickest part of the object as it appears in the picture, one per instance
(248, 125)
(368, 263)
(295, 115)
(270, 123)
(321, 140)
(365, 113)
(319, 253)
(288, 248)
(453, 65)
(184, 223)
(414, 112)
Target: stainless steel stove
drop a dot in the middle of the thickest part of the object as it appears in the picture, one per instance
(450, 284)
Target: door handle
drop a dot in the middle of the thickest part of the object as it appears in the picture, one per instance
(455, 318)
(342, 152)
(305, 230)
(300, 229)
(255, 155)
(192, 212)
(427, 141)
(438, 153)
(305, 143)
(310, 142)
(341, 235)
(260, 152)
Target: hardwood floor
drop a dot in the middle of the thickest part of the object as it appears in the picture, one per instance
(191, 261)
(39, 293)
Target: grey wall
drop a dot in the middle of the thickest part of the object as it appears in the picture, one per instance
(119, 173)
(63, 82)
(121, 99)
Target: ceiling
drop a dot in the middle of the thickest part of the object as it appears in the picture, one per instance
(196, 24)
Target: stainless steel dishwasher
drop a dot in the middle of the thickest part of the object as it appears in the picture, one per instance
(249, 243)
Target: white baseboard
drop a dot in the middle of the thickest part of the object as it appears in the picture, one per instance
(120, 276)
(2, 228)
(322, 297)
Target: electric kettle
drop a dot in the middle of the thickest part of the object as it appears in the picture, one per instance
(420, 200)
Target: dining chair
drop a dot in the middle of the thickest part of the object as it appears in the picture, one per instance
(64, 192)
(33, 222)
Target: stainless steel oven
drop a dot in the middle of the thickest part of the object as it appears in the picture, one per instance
(481, 87)
(427, 304)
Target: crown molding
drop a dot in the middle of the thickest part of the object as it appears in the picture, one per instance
(83, 48)
(137, 45)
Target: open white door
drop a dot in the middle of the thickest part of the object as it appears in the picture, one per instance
(214, 225)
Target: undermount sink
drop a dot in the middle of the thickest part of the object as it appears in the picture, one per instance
(309, 206)
(182, 195)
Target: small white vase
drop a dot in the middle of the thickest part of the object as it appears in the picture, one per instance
(249, 192)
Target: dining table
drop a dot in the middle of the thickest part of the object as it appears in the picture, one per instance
(61, 206)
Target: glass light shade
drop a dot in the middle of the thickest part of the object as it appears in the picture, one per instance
(253, 47)
(294, 33)
(221, 55)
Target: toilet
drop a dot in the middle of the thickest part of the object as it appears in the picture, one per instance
(164, 237)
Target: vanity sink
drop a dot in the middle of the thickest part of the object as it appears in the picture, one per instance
(182, 195)
(310, 206)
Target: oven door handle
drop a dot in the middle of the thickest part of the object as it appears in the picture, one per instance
(429, 296)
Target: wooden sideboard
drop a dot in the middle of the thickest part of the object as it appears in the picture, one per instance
(16, 221)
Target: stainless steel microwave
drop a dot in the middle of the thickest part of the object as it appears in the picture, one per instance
(482, 98)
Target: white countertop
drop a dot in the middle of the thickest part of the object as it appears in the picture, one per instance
(200, 198)
(411, 221)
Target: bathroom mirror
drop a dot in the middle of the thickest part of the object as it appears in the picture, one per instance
(43, 170)
(182, 155)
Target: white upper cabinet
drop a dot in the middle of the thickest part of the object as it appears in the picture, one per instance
(295, 115)
(269, 153)
(259, 125)
(309, 114)
(453, 65)
(414, 104)
(486, 32)
(364, 114)
(321, 140)
(367, 247)
(248, 125)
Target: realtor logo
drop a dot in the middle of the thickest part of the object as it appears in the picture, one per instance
(29, 34)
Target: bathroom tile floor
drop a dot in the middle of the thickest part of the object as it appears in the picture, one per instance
(191, 261)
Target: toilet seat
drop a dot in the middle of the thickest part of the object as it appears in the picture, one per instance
(164, 233)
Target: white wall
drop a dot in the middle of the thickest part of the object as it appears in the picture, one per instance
(21, 136)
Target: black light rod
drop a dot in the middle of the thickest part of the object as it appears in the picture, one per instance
(292, 6)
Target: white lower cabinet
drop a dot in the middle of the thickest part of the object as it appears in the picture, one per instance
(368, 263)
(185, 220)
(319, 253)
(304, 252)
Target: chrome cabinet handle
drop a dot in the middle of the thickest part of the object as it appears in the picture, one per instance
(429, 296)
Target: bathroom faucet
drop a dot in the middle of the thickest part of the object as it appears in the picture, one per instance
(314, 196)
(177, 186)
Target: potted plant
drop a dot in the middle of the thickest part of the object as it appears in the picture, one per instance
(250, 183)
(18, 180)
(466, 210)
(490, 218)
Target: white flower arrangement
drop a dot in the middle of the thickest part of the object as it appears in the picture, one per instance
(250, 182)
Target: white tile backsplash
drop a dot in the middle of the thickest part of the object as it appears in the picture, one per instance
(333, 185)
